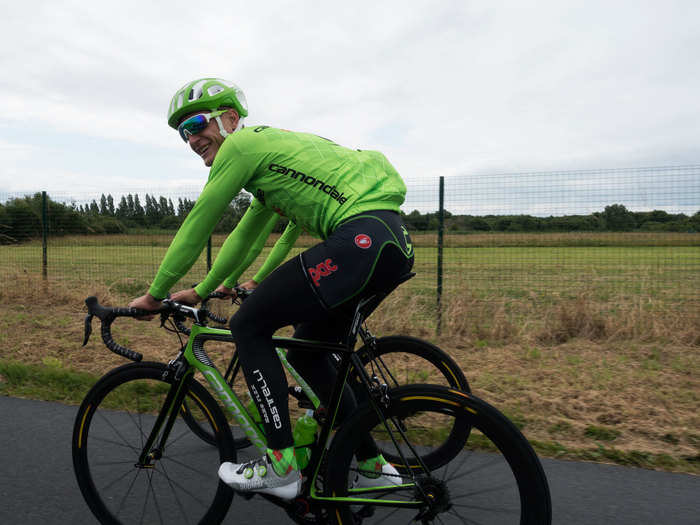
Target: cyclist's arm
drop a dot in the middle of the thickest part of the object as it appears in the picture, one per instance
(254, 250)
(225, 181)
(232, 253)
(279, 252)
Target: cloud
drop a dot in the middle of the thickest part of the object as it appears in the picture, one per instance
(443, 88)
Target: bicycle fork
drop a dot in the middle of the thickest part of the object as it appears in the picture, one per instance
(167, 416)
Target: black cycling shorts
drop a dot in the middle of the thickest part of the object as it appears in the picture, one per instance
(345, 264)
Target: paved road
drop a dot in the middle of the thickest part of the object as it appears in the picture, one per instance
(37, 485)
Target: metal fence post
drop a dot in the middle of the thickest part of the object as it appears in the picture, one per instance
(441, 234)
(45, 235)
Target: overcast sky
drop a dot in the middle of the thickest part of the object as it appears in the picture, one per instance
(442, 88)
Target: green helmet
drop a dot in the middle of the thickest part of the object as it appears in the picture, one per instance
(206, 94)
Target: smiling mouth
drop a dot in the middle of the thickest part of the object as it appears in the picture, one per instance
(202, 151)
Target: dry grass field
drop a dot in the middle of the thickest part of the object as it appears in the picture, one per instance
(594, 353)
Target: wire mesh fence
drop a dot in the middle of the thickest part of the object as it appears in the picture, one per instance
(520, 238)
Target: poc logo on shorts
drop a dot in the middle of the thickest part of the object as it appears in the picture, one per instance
(322, 269)
(363, 241)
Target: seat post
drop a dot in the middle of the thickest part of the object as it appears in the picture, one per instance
(360, 316)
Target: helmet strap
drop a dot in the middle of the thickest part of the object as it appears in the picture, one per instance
(223, 131)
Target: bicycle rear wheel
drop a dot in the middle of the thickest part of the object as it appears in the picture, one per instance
(181, 485)
(492, 476)
(403, 360)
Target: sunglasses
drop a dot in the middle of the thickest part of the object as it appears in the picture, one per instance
(196, 124)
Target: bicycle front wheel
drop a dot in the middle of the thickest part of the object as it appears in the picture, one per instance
(492, 476)
(180, 485)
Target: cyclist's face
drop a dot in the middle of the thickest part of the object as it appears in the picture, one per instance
(207, 142)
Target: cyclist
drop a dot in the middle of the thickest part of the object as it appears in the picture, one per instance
(347, 198)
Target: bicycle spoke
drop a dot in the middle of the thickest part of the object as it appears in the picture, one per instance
(172, 489)
(109, 485)
(110, 441)
(491, 462)
(203, 473)
(155, 498)
(464, 519)
(387, 516)
(145, 503)
(483, 491)
(131, 485)
(116, 431)
(487, 509)
(462, 461)
(138, 425)
(183, 489)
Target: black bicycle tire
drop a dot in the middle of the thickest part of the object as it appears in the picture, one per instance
(535, 500)
(81, 436)
(442, 362)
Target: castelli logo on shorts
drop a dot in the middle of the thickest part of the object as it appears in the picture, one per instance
(363, 241)
(322, 269)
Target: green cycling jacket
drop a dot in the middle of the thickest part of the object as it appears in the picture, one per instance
(313, 181)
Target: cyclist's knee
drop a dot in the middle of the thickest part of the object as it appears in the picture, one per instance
(241, 326)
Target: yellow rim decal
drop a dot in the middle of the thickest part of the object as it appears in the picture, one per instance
(459, 393)
(451, 373)
(430, 399)
(82, 425)
(203, 407)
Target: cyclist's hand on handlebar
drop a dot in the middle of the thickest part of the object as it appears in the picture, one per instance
(188, 297)
(145, 302)
(226, 291)
(250, 285)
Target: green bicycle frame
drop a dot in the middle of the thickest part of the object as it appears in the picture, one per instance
(198, 359)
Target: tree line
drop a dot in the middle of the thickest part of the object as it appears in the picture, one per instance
(615, 217)
(21, 218)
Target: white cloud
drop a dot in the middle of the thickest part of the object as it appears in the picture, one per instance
(443, 88)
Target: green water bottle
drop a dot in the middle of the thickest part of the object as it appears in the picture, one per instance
(304, 436)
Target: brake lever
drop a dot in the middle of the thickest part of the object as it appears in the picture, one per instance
(88, 328)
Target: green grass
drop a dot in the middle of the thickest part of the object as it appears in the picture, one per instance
(48, 383)
(664, 272)
(601, 433)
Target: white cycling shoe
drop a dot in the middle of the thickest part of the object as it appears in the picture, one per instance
(389, 476)
(259, 476)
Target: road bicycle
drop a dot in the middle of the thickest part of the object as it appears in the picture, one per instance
(136, 458)
(401, 359)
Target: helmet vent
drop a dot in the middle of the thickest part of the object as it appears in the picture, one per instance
(213, 90)
(196, 92)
